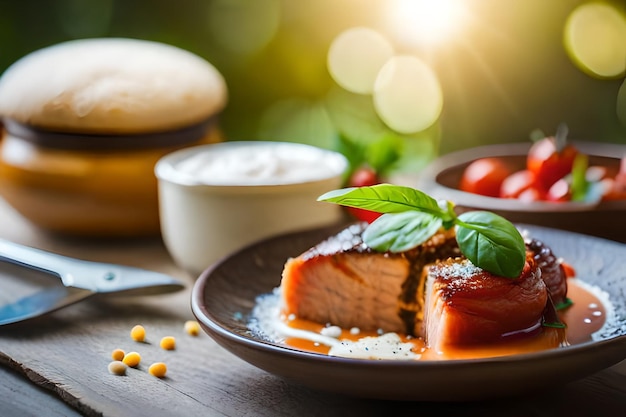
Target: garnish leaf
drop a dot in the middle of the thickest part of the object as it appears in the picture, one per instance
(383, 198)
(564, 304)
(580, 185)
(491, 242)
(401, 232)
(551, 317)
(384, 153)
(536, 135)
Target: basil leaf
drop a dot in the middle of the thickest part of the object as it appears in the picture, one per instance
(564, 304)
(579, 185)
(384, 198)
(491, 242)
(551, 317)
(399, 232)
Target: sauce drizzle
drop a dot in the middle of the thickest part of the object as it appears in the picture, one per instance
(586, 316)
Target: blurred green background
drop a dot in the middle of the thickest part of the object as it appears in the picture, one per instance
(503, 68)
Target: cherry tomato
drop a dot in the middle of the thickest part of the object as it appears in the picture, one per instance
(559, 191)
(531, 194)
(617, 185)
(620, 178)
(548, 163)
(520, 183)
(484, 176)
(570, 271)
(363, 215)
(363, 177)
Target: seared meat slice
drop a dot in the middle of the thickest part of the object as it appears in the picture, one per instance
(343, 282)
(466, 305)
(348, 289)
(430, 291)
(552, 271)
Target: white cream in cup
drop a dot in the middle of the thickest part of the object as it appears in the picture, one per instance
(215, 199)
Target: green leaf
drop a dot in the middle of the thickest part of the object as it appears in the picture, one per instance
(564, 304)
(551, 317)
(352, 150)
(536, 135)
(580, 185)
(584, 190)
(554, 324)
(383, 153)
(384, 198)
(399, 232)
(491, 242)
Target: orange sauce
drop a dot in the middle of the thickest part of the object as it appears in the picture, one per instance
(582, 319)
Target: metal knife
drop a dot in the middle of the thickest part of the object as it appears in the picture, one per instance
(81, 279)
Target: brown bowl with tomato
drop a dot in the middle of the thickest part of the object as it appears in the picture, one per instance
(580, 187)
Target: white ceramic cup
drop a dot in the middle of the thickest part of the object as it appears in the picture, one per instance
(215, 199)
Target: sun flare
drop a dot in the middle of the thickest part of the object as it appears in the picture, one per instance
(426, 22)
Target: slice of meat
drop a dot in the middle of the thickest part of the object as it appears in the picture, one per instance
(466, 305)
(343, 282)
(552, 271)
(430, 291)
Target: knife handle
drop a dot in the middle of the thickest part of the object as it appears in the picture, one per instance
(58, 265)
(89, 275)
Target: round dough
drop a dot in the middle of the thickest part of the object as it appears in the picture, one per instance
(113, 86)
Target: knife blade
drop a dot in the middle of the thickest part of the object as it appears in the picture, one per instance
(80, 278)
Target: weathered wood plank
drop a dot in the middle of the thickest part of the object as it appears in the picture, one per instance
(21, 398)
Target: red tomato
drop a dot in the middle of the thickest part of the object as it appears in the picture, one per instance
(559, 191)
(363, 215)
(616, 189)
(570, 271)
(517, 183)
(531, 194)
(363, 177)
(548, 163)
(620, 178)
(617, 186)
(484, 176)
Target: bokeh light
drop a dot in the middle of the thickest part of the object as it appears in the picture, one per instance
(241, 26)
(298, 120)
(407, 95)
(426, 22)
(356, 56)
(595, 39)
(501, 66)
(354, 116)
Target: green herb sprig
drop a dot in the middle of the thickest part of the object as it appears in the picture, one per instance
(410, 217)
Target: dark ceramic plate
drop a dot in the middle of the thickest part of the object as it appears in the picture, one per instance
(441, 178)
(225, 294)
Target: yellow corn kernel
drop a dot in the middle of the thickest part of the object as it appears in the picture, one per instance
(158, 369)
(138, 333)
(118, 354)
(132, 359)
(117, 368)
(192, 327)
(168, 343)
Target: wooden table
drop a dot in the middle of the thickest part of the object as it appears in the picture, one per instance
(57, 365)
